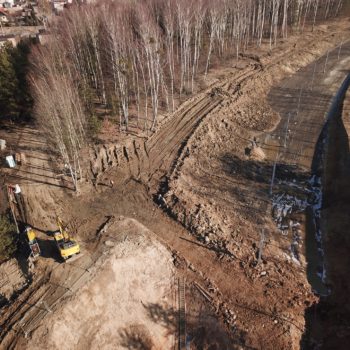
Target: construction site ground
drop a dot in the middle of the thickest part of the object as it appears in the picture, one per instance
(192, 203)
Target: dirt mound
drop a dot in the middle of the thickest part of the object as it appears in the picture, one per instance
(257, 153)
(120, 307)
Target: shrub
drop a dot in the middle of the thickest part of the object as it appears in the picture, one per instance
(7, 238)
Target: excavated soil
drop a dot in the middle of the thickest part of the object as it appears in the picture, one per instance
(127, 293)
(201, 183)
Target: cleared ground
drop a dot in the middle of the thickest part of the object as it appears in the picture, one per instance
(124, 301)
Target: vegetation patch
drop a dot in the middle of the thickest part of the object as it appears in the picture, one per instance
(7, 238)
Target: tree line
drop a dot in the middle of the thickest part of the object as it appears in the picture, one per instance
(15, 98)
(8, 236)
(136, 58)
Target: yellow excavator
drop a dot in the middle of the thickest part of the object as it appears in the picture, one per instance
(67, 247)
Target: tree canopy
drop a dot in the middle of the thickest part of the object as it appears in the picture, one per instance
(15, 99)
(7, 238)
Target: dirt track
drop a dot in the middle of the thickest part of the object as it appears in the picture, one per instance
(269, 314)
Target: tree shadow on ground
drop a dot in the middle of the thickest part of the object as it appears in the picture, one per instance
(165, 316)
(203, 330)
(136, 337)
(259, 171)
(251, 197)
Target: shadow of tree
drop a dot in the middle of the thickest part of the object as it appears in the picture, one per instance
(136, 337)
(167, 317)
(203, 330)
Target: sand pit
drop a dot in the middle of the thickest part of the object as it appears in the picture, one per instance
(115, 309)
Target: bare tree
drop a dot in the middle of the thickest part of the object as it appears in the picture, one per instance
(58, 107)
(144, 55)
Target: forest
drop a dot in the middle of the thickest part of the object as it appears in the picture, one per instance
(139, 59)
(15, 98)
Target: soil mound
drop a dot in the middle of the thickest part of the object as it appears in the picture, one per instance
(115, 308)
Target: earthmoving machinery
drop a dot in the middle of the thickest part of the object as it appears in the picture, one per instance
(32, 242)
(67, 247)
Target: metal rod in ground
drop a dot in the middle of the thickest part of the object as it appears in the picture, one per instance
(261, 245)
(286, 132)
(182, 314)
(273, 173)
(340, 46)
(299, 101)
(10, 198)
(313, 76)
(325, 63)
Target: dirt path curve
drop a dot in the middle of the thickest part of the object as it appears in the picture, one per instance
(165, 146)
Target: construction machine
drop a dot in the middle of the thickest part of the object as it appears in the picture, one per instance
(67, 247)
(32, 242)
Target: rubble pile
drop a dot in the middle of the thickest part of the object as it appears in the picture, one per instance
(283, 205)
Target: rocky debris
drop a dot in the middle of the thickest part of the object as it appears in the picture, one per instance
(213, 296)
(256, 115)
(197, 219)
(230, 317)
(162, 201)
(254, 151)
(296, 240)
(286, 205)
(283, 205)
(316, 205)
(109, 243)
(179, 261)
(104, 227)
(204, 226)
(107, 156)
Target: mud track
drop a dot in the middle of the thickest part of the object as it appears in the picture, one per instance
(166, 145)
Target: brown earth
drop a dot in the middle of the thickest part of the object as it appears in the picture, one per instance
(123, 301)
(12, 279)
(204, 168)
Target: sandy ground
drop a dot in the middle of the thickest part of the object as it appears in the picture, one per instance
(123, 305)
(204, 168)
(12, 279)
